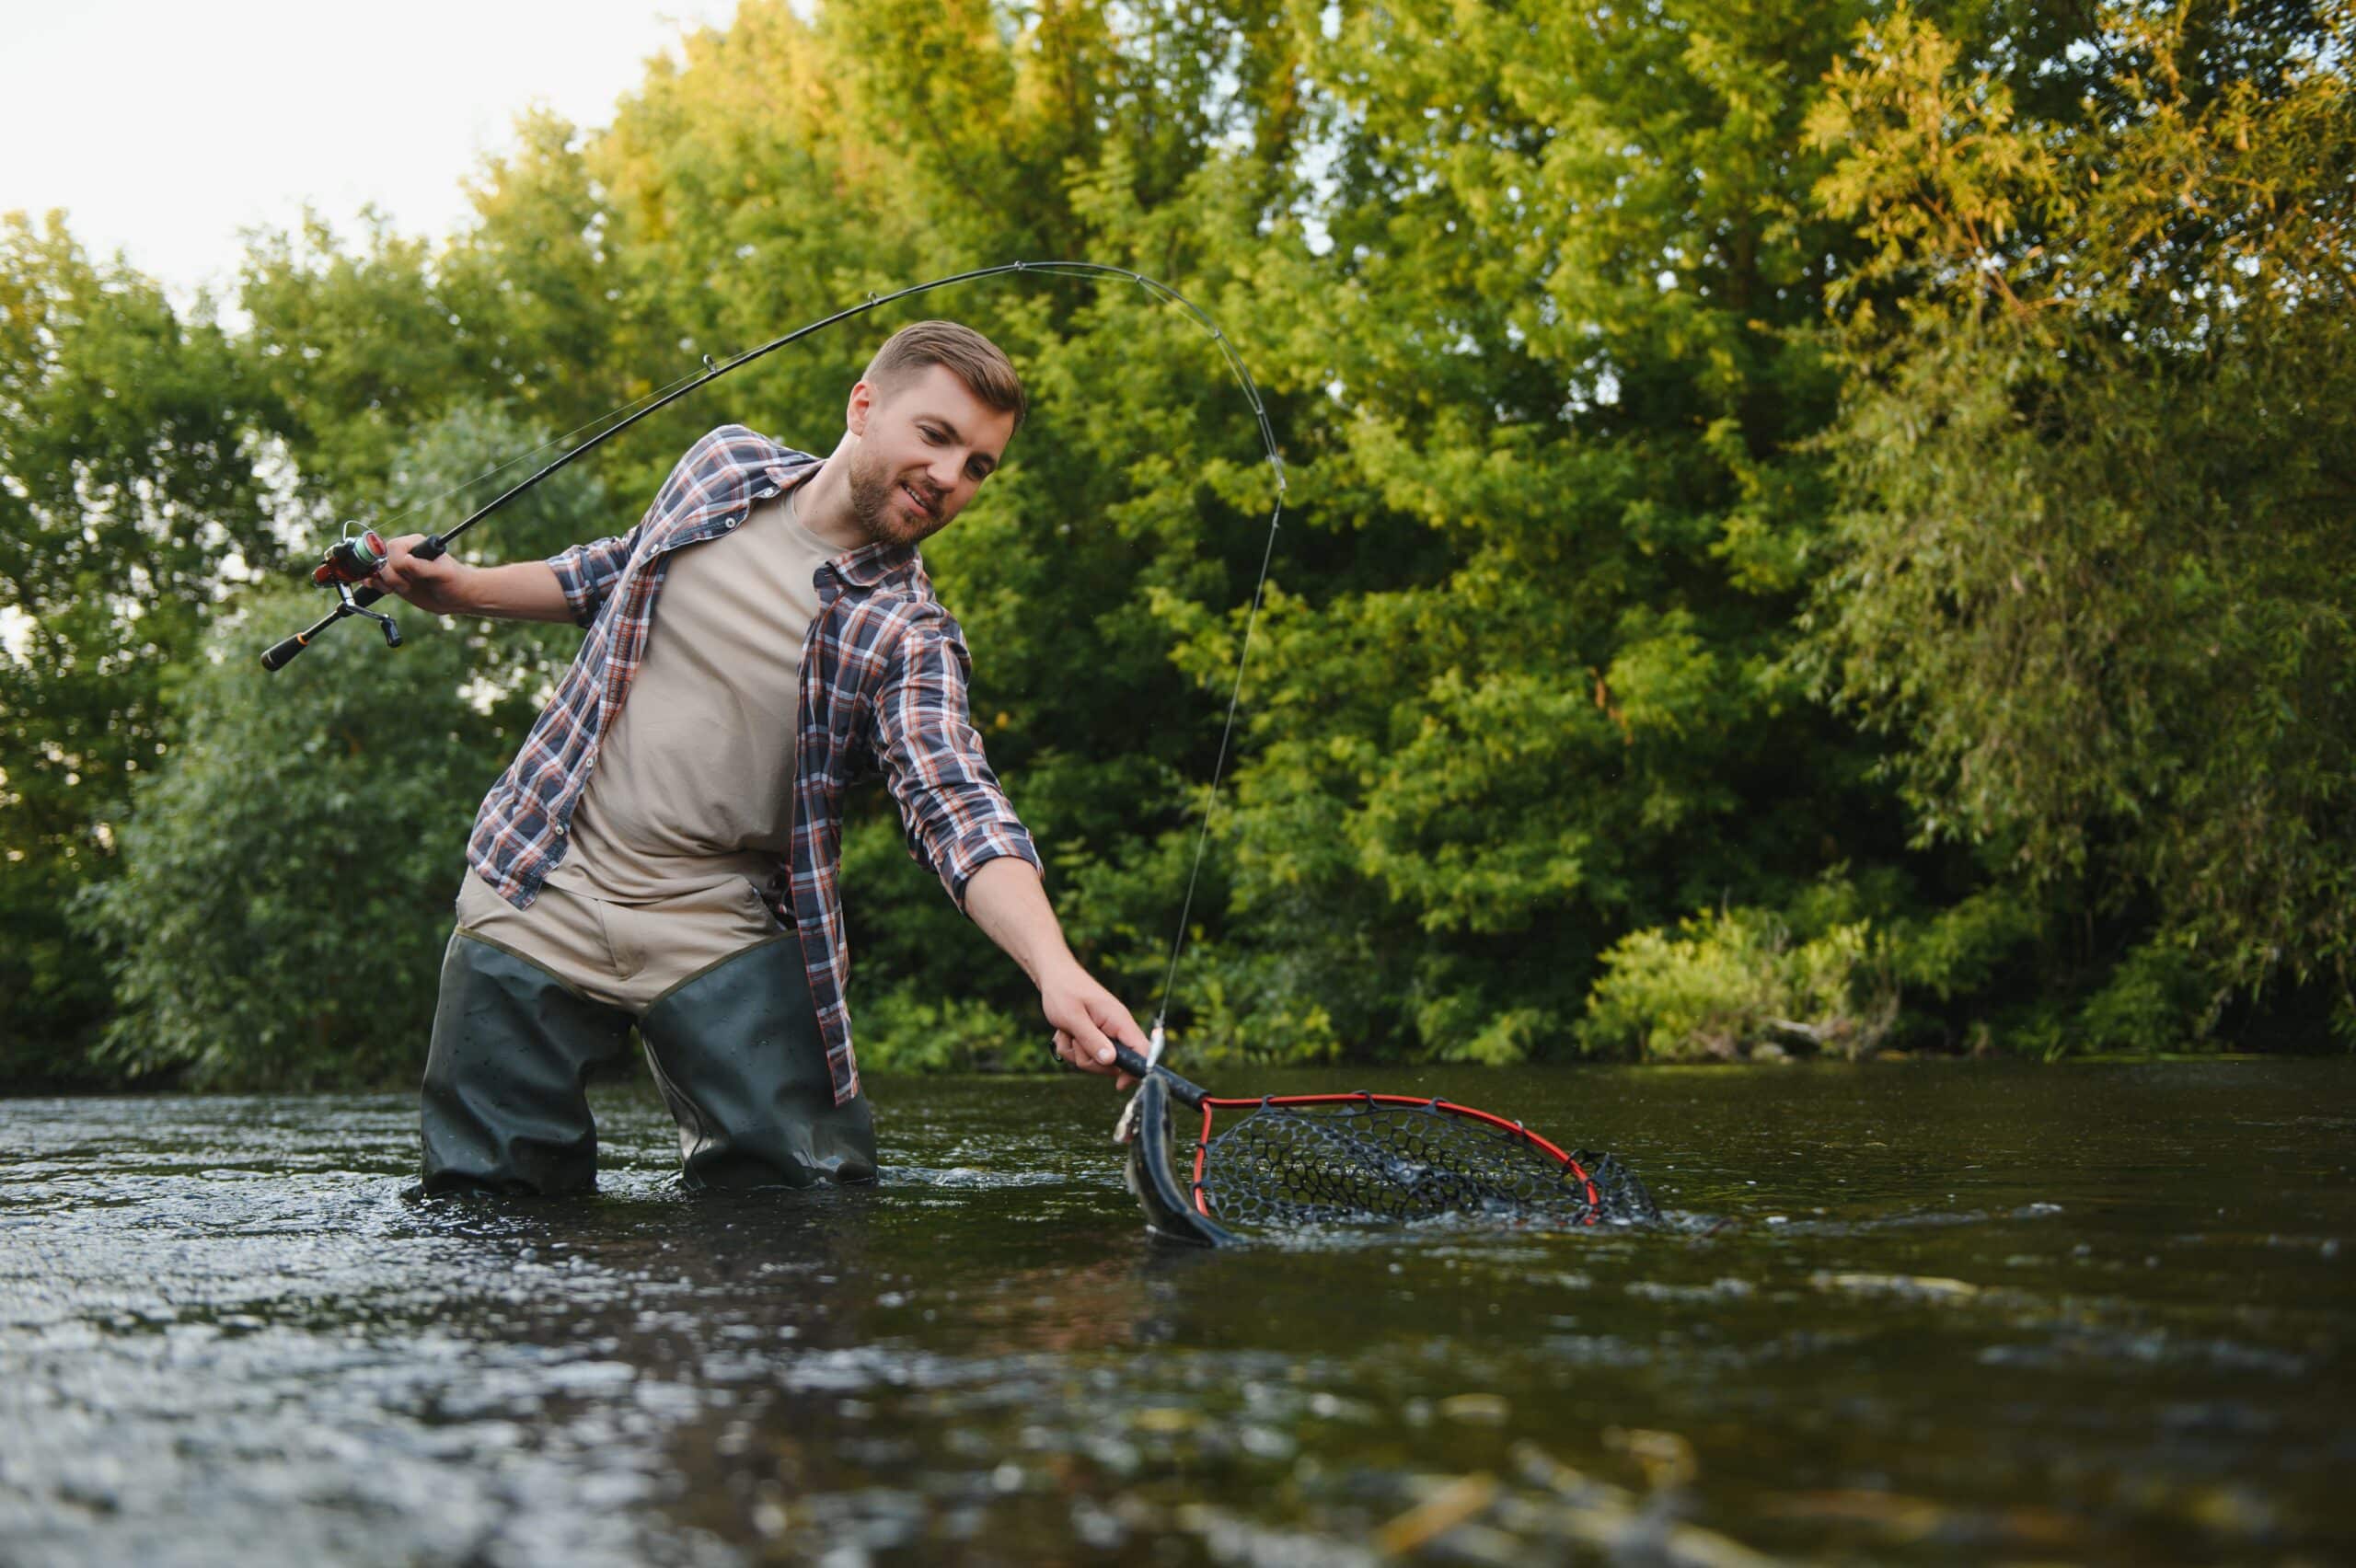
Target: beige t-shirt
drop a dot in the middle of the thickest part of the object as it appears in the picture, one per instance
(693, 783)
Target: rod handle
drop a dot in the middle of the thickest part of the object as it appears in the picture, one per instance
(280, 652)
(1136, 1067)
(278, 655)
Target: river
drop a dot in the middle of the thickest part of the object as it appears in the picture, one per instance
(1910, 1313)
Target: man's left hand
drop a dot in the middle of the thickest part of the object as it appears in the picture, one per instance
(1088, 1019)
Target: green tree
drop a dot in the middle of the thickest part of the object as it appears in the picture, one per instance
(1641, 647)
(792, 166)
(287, 875)
(129, 503)
(1524, 690)
(2095, 566)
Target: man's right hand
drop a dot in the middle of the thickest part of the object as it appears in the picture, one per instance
(439, 585)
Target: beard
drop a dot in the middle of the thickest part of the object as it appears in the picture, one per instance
(877, 505)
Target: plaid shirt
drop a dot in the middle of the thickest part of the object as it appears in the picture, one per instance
(884, 679)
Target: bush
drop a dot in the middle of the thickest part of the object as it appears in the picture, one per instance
(287, 875)
(903, 1030)
(1733, 982)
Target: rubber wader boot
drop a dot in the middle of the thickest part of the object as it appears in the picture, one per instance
(505, 1106)
(737, 1054)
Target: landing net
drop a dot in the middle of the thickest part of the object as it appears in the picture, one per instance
(1387, 1160)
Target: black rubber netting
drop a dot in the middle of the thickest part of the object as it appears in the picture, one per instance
(1367, 1161)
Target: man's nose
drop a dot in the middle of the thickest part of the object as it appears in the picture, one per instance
(945, 470)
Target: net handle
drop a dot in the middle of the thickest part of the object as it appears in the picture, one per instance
(1137, 1067)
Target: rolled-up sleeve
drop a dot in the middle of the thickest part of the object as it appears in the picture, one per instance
(588, 573)
(957, 818)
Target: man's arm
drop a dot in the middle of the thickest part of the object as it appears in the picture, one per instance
(959, 824)
(524, 590)
(956, 817)
(1008, 901)
(571, 584)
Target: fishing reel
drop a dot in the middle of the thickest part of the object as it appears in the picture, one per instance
(350, 562)
(353, 559)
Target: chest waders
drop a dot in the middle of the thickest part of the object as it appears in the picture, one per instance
(734, 1048)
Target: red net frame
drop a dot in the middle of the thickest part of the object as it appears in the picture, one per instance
(1619, 1192)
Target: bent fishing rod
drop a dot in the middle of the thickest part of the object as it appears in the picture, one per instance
(354, 559)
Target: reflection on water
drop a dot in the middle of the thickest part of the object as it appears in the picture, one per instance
(1935, 1313)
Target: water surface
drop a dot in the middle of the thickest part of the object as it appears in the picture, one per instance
(1918, 1312)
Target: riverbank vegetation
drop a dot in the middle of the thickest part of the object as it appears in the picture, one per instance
(1812, 528)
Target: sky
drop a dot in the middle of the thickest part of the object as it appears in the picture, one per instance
(165, 126)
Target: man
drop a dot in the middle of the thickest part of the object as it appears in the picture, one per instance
(665, 847)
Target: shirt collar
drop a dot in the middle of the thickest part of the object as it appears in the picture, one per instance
(866, 566)
(871, 564)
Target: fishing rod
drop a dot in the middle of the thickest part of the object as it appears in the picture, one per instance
(354, 559)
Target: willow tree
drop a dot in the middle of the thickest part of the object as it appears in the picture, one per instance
(2096, 566)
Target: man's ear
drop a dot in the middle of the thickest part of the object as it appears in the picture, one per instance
(863, 399)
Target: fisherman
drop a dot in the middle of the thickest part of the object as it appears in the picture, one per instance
(666, 848)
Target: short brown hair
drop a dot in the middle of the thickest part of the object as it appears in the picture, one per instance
(970, 357)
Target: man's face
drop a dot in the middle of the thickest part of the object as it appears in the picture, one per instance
(924, 448)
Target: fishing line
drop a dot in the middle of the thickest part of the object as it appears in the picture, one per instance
(1211, 795)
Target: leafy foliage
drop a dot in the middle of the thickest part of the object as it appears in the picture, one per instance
(1566, 330)
(2096, 568)
(1831, 974)
(1736, 984)
(130, 502)
(1811, 525)
(286, 879)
